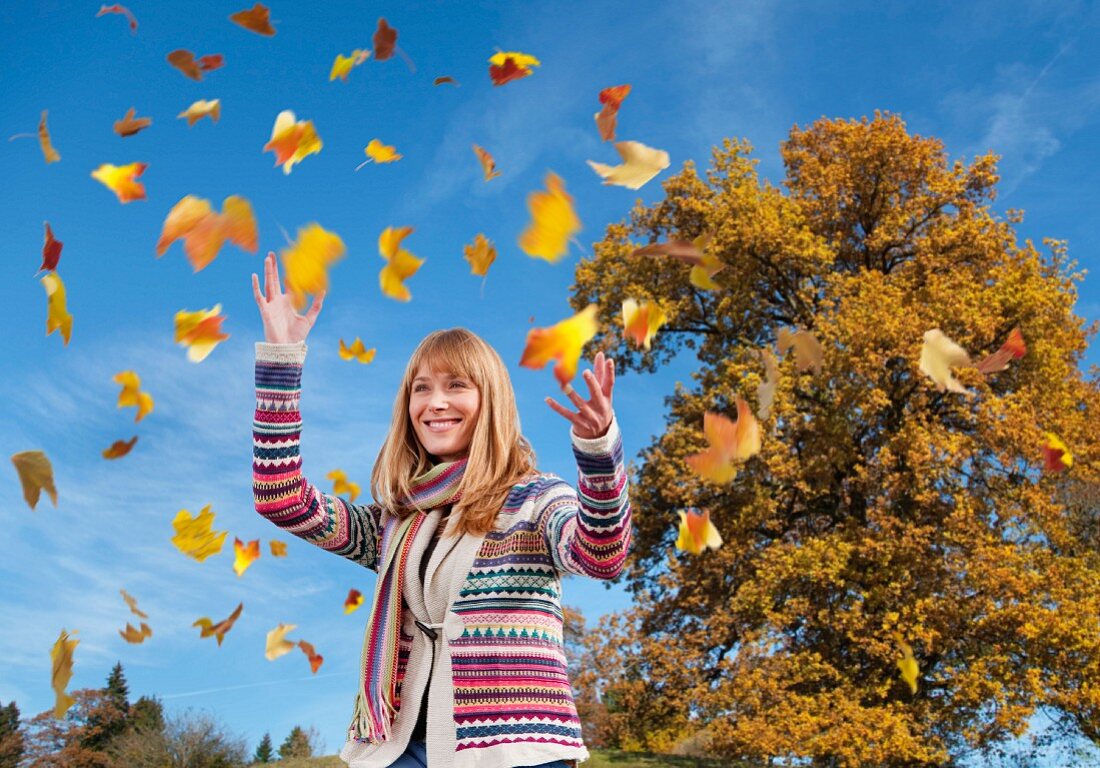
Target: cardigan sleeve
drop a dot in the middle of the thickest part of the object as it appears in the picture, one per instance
(281, 491)
(588, 530)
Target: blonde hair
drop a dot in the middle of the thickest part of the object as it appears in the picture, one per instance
(499, 456)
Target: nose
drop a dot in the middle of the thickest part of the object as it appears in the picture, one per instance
(438, 400)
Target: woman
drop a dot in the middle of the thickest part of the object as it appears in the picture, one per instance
(463, 662)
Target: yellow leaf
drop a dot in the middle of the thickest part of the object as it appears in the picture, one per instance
(57, 315)
(641, 322)
(341, 67)
(244, 555)
(353, 601)
(696, 532)
(218, 630)
(640, 164)
(135, 636)
(400, 266)
(194, 536)
(340, 484)
(200, 109)
(553, 221)
(122, 180)
(278, 548)
(488, 164)
(131, 394)
(277, 644)
(481, 254)
(61, 663)
(130, 601)
(728, 441)
(938, 355)
(382, 153)
(51, 154)
(357, 351)
(200, 331)
(306, 262)
(292, 140)
(35, 475)
(807, 349)
(562, 342)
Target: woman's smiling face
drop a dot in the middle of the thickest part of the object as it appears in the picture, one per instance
(443, 408)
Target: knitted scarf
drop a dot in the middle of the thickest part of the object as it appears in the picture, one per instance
(375, 700)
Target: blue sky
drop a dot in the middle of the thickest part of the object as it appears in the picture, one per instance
(1014, 78)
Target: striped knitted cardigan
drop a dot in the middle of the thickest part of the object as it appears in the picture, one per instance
(510, 697)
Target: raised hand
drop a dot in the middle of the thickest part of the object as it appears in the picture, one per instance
(282, 323)
(594, 415)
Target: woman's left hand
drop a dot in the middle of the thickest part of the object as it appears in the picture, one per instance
(594, 415)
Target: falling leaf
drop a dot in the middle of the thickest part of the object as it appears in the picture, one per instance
(606, 118)
(292, 141)
(200, 109)
(504, 67)
(61, 662)
(697, 532)
(481, 254)
(315, 659)
(357, 351)
(129, 125)
(379, 153)
(278, 548)
(219, 629)
(938, 355)
(277, 644)
(384, 41)
(353, 601)
(185, 61)
(131, 394)
(57, 316)
(641, 322)
(1014, 348)
(244, 555)
(51, 250)
(51, 154)
(194, 536)
(561, 342)
(703, 267)
(204, 232)
(119, 448)
(306, 262)
(445, 79)
(1056, 455)
(400, 264)
(488, 164)
(640, 164)
(122, 10)
(35, 475)
(200, 331)
(728, 442)
(341, 486)
(256, 19)
(341, 68)
(910, 670)
(807, 349)
(553, 221)
(765, 393)
(130, 601)
(122, 180)
(135, 636)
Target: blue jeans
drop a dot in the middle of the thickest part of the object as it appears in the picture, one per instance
(416, 756)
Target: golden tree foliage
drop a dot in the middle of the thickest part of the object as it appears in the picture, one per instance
(877, 506)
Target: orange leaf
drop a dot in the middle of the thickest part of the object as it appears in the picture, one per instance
(504, 67)
(244, 554)
(481, 254)
(185, 61)
(1056, 456)
(51, 250)
(119, 448)
(256, 19)
(35, 475)
(306, 262)
(606, 118)
(561, 342)
(400, 266)
(444, 79)
(130, 601)
(205, 232)
(728, 441)
(57, 316)
(219, 629)
(129, 125)
(641, 322)
(51, 154)
(122, 180)
(315, 659)
(135, 636)
(488, 165)
(278, 548)
(353, 601)
(1014, 348)
(200, 109)
(200, 331)
(696, 532)
(553, 221)
(807, 349)
(292, 141)
(122, 10)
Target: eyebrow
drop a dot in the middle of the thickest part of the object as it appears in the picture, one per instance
(449, 376)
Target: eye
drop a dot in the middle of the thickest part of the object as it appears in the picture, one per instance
(459, 383)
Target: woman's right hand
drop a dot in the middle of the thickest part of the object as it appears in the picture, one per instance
(282, 323)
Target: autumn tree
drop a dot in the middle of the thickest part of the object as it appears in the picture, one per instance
(299, 743)
(73, 740)
(879, 508)
(188, 739)
(11, 736)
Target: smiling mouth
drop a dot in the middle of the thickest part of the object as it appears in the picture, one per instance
(442, 425)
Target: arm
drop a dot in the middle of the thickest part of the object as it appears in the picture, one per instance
(588, 530)
(282, 493)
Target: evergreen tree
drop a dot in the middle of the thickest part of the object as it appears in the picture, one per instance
(108, 721)
(11, 736)
(265, 753)
(117, 688)
(147, 715)
(296, 744)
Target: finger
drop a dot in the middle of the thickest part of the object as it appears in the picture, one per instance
(256, 290)
(595, 390)
(315, 308)
(561, 409)
(609, 380)
(270, 286)
(275, 265)
(577, 400)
